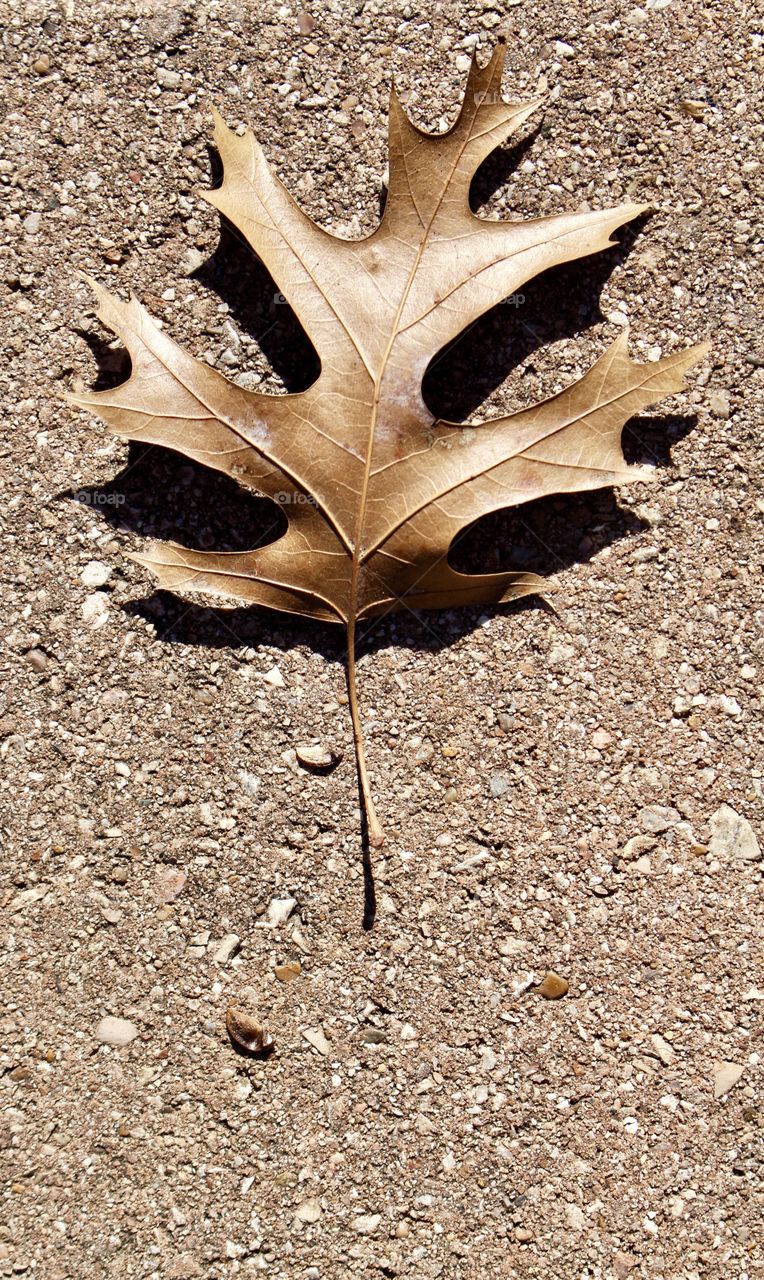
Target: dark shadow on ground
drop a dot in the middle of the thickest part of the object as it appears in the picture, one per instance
(159, 494)
(558, 304)
(114, 363)
(256, 305)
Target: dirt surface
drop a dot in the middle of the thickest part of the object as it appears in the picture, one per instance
(442, 1117)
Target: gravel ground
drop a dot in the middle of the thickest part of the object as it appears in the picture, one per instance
(543, 1060)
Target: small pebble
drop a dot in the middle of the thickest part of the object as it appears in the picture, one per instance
(228, 948)
(499, 784)
(95, 574)
(95, 610)
(575, 1217)
(289, 971)
(732, 837)
(42, 64)
(28, 896)
(116, 1031)
(167, 79)
(511, 946)
(553, 987)
(318, 757)
(308, 1211)
(305, 24)
(192, 261)
(366, 1223)
(250, 783)
(637, 846)
(279, 910)
(657, 818)
(316, 1038)
(37, 659)
(373, 1035)
(169, 883)
(719, 404)
(273, 677)
(662, 1050)
(694, 107)
(726, 1076)
(197, 944)
(560, 654)
(246, 1033)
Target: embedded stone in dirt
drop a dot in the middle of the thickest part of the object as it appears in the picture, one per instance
(116, 1031)
(553, 987)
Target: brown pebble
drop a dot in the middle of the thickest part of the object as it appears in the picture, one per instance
(247, 1034)
(553, 986)
(523, 1234)
(694, 107)
(305, 24)
(289, 971)
(320, 758)
(42, 64)
(37, 659)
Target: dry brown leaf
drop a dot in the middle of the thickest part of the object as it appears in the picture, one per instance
(378, 487)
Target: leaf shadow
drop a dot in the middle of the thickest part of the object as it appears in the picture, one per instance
(113, 361)
(499, 165)
(159, 494)
(240, 279)
(558, 304)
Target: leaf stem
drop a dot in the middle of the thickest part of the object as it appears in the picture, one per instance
(375, 833)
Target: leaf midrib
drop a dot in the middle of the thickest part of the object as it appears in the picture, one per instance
(357, 557)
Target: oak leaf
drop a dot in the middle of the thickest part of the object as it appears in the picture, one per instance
(377, 487)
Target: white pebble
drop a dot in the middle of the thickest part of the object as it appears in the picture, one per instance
(95, 574)
(279, 910)
(116, 1031)
(95, 610)
(228, 948)
(726, 1076)
(732, 836)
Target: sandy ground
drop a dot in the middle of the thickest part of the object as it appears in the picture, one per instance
(554, 788)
